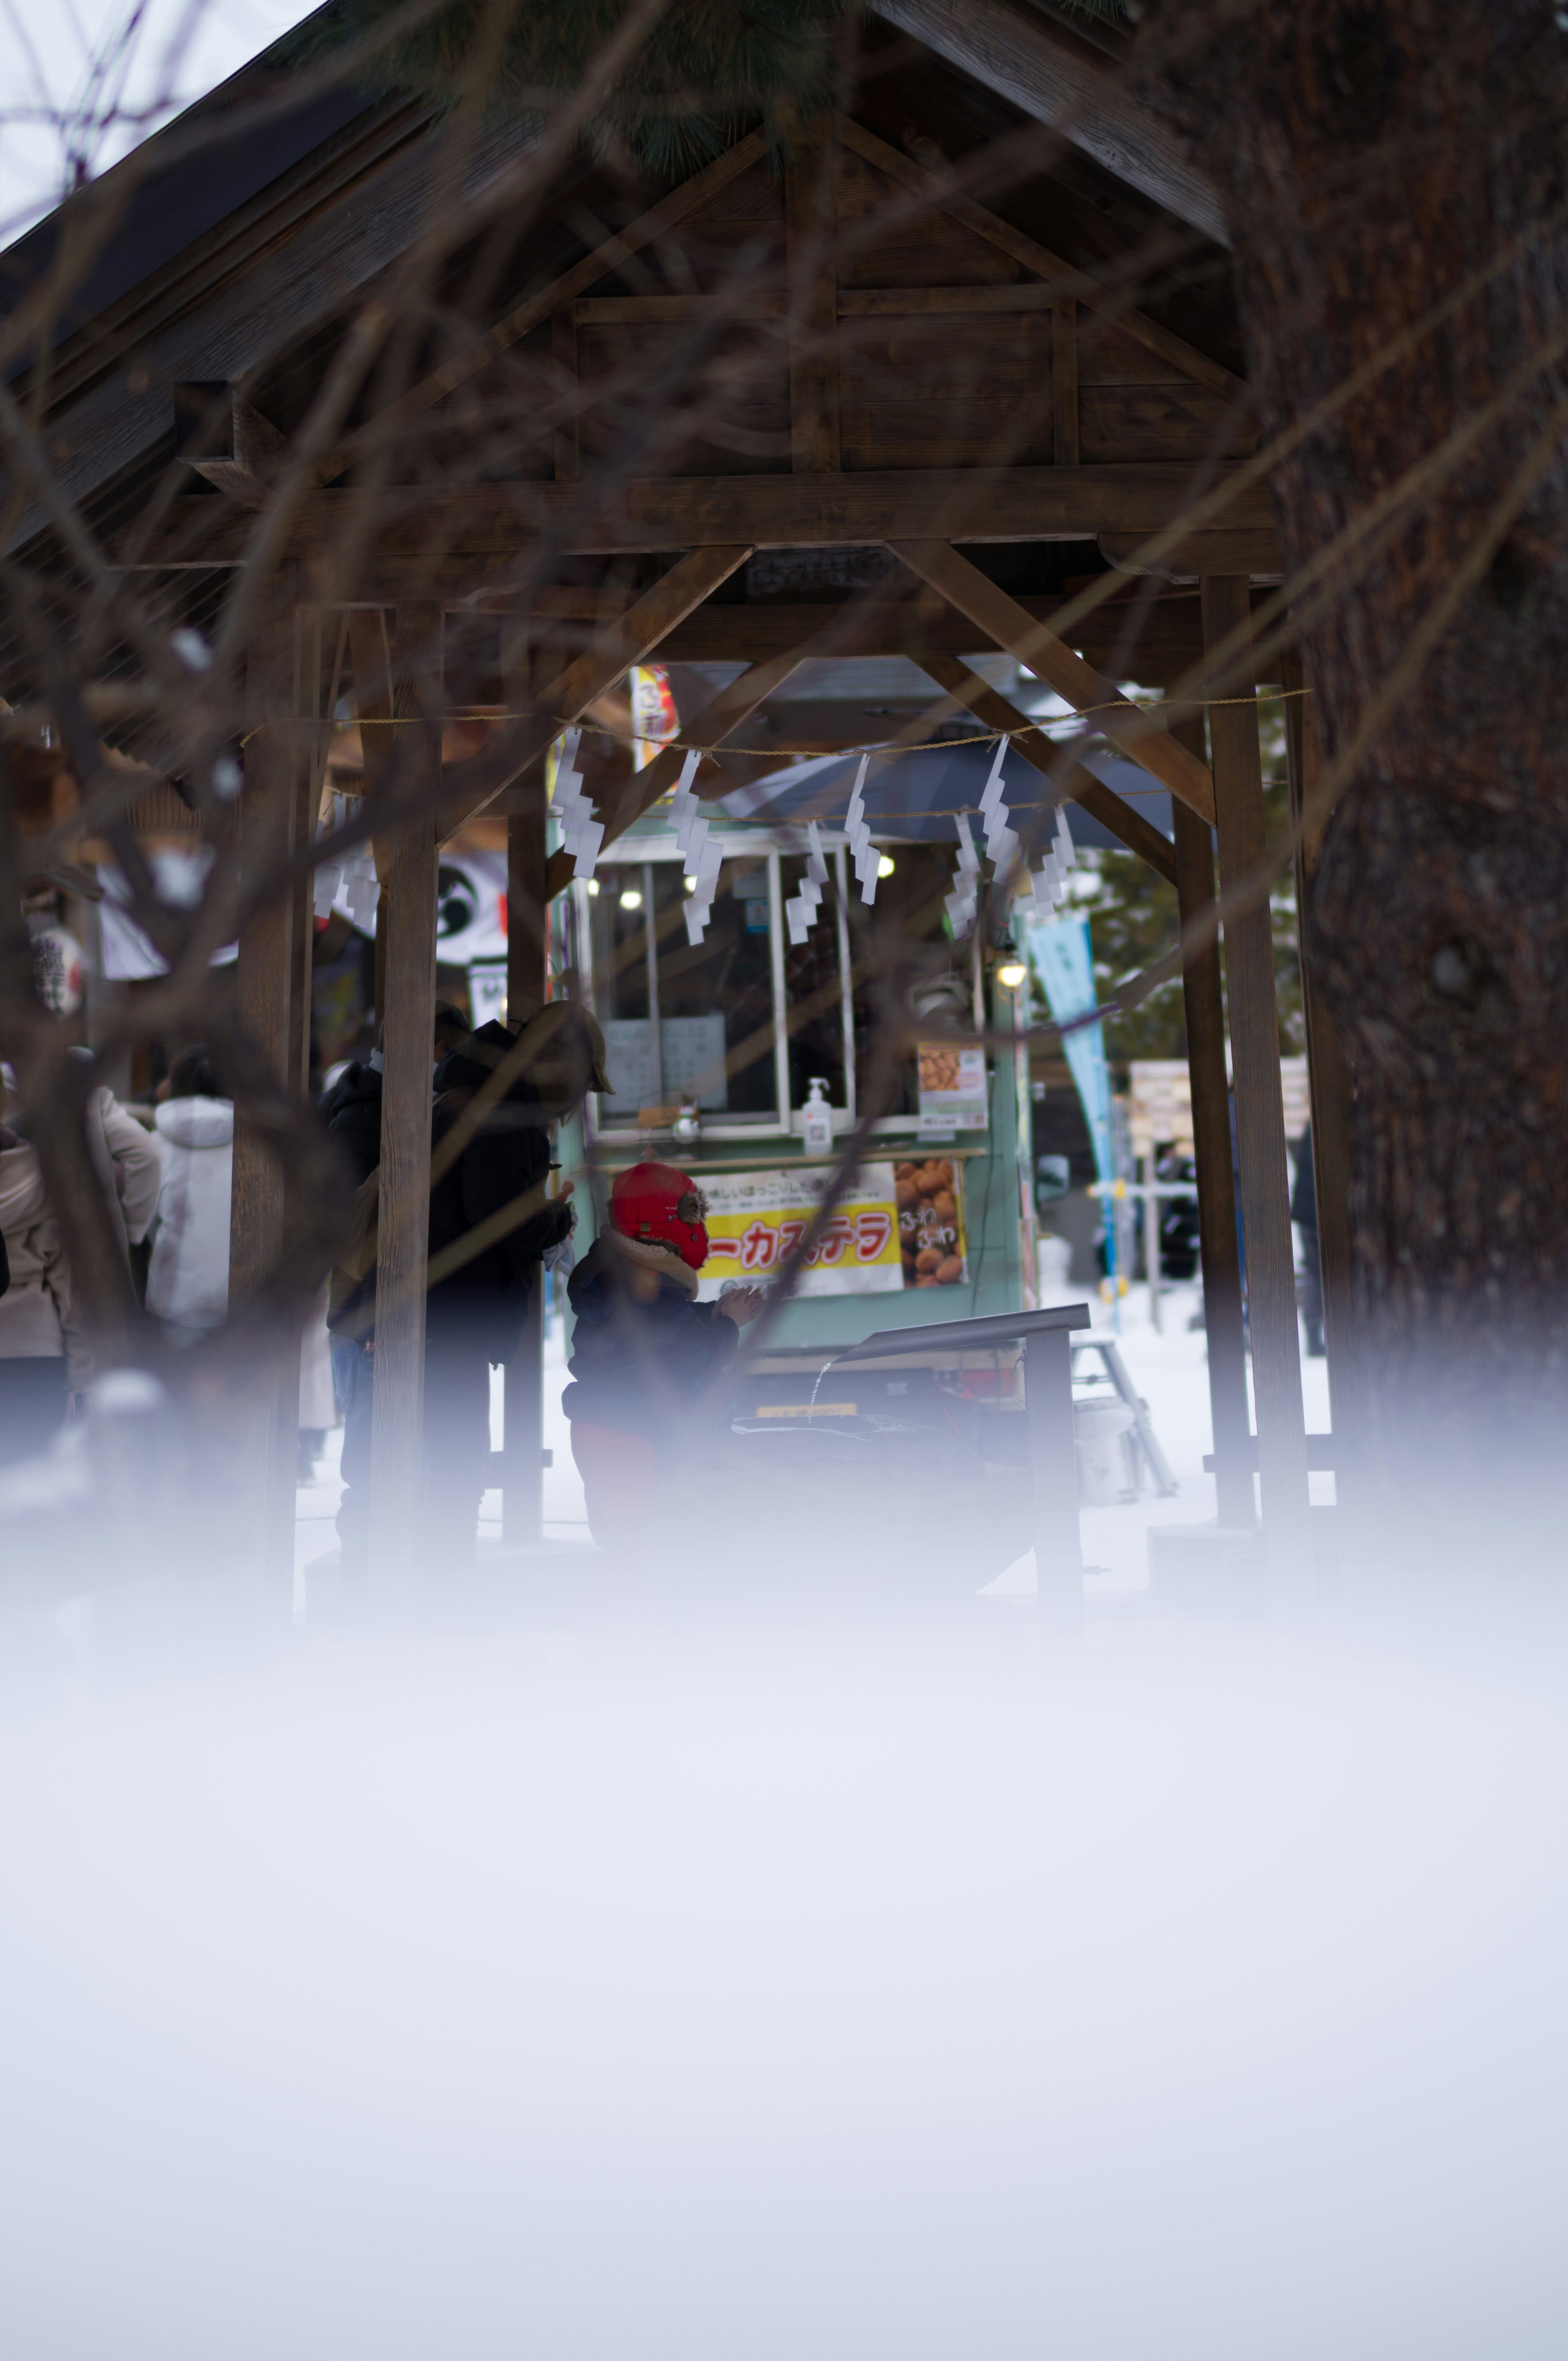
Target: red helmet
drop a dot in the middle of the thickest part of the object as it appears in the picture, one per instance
(658, 1205)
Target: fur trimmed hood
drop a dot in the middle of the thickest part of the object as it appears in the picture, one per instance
(651, 1254)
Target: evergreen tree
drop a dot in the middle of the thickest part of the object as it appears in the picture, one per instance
(706, 68)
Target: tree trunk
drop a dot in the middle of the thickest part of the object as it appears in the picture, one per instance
(1374, 157)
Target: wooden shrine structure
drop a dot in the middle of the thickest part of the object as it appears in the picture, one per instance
(964, 370)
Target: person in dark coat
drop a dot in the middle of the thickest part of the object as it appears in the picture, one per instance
(648, 1360)
(491, 1222)
(352, 1108)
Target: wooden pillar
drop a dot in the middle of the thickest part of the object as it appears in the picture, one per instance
(1237, 766)
(1217, 1240)
(528, 984)
(409, 896)
(267, 986)
(1332, 1095)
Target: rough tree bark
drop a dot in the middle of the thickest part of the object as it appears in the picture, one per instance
(1376, 156)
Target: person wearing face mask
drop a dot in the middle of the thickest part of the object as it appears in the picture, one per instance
(648, 1359)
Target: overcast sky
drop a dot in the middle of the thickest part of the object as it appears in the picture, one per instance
(84, 80)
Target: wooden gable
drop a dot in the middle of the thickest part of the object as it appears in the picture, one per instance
(957, 340)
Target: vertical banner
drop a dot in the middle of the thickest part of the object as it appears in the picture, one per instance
(1065, 965)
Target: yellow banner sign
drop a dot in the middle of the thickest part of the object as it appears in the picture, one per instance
(755, 1219)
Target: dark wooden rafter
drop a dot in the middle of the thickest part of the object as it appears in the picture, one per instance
(1038, 648)
(1067, 778)
(287, 264)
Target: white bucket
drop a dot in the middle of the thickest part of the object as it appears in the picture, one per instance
(1104, 1463)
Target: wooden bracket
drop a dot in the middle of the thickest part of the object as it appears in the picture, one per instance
(1007, 625)
(1080, 786)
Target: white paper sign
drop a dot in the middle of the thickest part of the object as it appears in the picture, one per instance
(952, 1090)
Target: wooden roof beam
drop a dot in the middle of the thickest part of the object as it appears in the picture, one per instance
(1047, 75)
(1069, 778)
(780, 512)
(1037, 646)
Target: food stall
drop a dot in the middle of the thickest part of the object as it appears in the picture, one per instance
(740, 1052)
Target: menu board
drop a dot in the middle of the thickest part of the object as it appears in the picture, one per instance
(952, 1090)
(755, 1219)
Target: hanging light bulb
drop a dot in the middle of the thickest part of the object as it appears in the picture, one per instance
(885, 866)
(1011, 974)
(631, 899)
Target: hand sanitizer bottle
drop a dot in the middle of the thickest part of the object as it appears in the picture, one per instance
(816, 1121)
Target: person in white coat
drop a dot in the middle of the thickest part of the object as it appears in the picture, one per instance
(188, 1276)
(129, 1168)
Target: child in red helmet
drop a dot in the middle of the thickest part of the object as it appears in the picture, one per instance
(647, 1358)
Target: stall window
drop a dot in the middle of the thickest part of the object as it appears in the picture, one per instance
(814, 990)
(685, 1020)
(908, 911)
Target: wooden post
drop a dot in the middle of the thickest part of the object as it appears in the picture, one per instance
(403, 1223)
(1217, 1242)
(528, 985)
(810, 226)
(267, 983)
(1260, 1109)
(1333, 1094)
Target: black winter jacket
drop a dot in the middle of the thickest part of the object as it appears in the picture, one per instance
(508, 1160)
(351, 1113)
(643, 1367)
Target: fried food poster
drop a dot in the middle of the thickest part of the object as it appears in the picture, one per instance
(755, 1219)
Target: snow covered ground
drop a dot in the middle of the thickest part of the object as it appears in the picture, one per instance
(1167, 1364)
